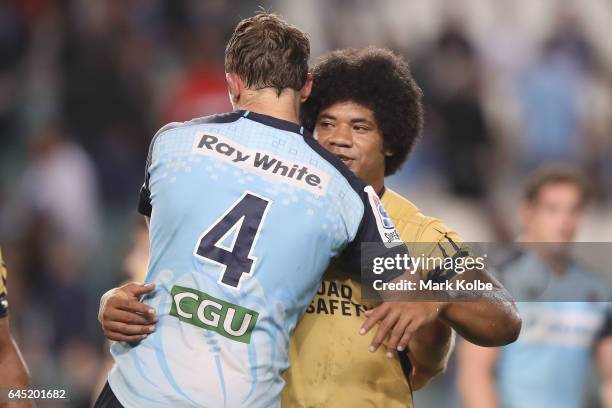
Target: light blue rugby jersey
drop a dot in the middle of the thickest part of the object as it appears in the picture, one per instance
(548, 366)
(246, 213)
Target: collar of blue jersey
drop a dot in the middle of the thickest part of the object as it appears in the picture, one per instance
(275, 122)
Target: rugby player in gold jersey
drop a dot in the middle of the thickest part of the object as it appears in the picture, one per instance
(13, 372)
(366, 109)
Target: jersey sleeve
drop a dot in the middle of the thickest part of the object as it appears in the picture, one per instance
(3, 300)
(145, 205)
(445, 246)
(144, 200)
(376, 237)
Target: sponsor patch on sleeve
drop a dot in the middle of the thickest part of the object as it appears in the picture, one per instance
(385, 226)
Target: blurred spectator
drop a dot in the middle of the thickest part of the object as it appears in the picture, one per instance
(563, 305)
(451, 77)
(457, 114)
(596, 109)
(549, 95)
(118, 156)
(57, 224)
(60, 185)
(13, 46)
(200, 88)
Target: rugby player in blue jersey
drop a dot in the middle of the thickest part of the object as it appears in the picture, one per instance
(566, 325)
(246, 211)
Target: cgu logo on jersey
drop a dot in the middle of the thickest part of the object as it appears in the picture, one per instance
(296, 174)
(205, 311)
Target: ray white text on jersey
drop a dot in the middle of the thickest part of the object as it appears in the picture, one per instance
(261, 162)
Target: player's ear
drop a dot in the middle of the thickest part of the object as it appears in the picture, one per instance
(235, 87)
(305, 92)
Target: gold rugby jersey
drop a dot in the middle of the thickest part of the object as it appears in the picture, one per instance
(330, 362)
(3, 301)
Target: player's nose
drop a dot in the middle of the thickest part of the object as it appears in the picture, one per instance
(342, 137)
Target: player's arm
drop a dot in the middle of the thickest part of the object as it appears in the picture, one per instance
(490, 318)
(123, 317)
(428, 351)
(485, 318)
(476, 375)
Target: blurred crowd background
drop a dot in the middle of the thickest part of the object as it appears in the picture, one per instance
(508, 84)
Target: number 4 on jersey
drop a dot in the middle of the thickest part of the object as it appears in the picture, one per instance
(243, 220)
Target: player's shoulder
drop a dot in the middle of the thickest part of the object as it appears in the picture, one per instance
(168, 128)
(227, 117)
(412, 224)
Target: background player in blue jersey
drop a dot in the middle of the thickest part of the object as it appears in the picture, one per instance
(246, 210)
(548, 365)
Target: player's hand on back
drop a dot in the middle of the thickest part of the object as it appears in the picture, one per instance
(399, 320)
(123, 317)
